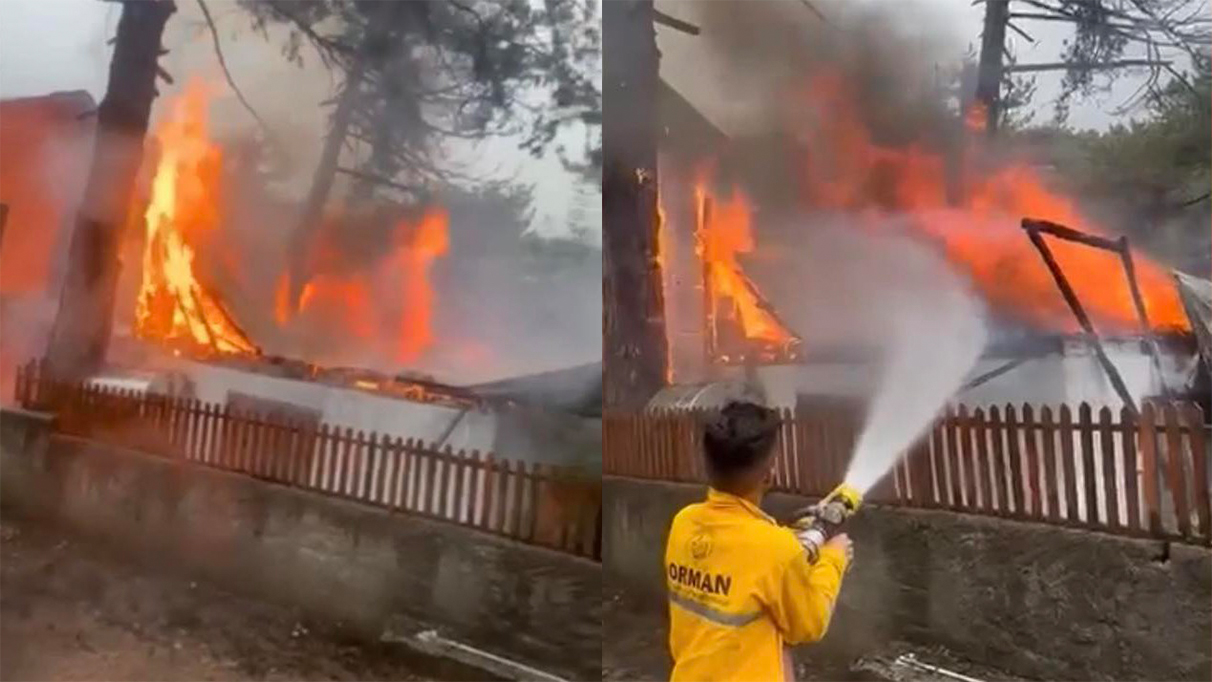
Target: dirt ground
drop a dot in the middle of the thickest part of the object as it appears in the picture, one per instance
(71, 610)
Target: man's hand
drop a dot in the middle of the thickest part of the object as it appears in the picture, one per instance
(842, 542)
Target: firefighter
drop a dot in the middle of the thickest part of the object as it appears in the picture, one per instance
(741, 588)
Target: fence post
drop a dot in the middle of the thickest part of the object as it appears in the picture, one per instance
(1031, 453)
(460, 496)
(428, 455)
(501, 496)
(1070, 467)
(1175, 454)
(1194, 418)
(1110, 477)
(1129, 428)
(1149, 467)
(1001, 491)
(1014, 452)
(532, 501)
(519, 473)
(1089, 482)
(977, 434)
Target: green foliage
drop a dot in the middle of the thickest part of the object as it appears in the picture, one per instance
(1149, 178)
(1166, 156)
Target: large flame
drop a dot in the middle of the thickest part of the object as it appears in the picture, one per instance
(388, 305)
(413, 259)
(980, 232)
(724, 232)
(172, 305)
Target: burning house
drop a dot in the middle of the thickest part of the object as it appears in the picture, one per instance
(203, 313)
(793, 254)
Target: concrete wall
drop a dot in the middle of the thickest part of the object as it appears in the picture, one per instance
(1034, 600)
(341, 560)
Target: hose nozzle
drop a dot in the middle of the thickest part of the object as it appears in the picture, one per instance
(813, 525)
(847, 495)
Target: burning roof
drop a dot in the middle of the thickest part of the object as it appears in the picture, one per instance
(841, 174)
(375, 305)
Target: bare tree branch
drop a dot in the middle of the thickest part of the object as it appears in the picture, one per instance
(214, 34)
(369, 177)
(813, 8)
(1082, 66)
(1021, 32)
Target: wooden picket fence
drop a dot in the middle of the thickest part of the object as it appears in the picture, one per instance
(1144, 476)
(533, 503)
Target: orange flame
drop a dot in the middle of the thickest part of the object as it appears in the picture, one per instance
(722, 235)
(428, 242)
(172, 305)
(980, 233)
(976, 118)
(363, 302)
(663, 250)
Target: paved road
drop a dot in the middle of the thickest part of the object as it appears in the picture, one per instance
(71, 610)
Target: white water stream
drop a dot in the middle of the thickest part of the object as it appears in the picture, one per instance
(935, 341)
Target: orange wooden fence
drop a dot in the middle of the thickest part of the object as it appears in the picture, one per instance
(534, 503)
(1104, 469)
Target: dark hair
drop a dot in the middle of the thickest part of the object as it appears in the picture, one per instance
(739, 438)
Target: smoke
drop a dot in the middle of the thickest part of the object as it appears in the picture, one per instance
(934, 337)
(868, 285)
(748, 69)
(793, 90)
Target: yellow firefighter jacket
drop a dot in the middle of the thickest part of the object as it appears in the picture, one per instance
(740, 588)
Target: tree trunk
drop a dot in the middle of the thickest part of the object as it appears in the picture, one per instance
(989, 74)
(634, 346)
(80, 334)
(321, 184)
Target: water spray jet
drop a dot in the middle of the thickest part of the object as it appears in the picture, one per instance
(934, 336)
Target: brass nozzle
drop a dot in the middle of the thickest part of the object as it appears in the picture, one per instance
(851, 497)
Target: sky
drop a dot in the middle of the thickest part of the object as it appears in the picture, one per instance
(54, 45)
(50, 45)
(955, 23)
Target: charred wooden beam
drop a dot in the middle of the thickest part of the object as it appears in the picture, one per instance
(994, 373)
(1125, 255)
(1065, 232)
(1075, 305)
(1119, 247)
(686, 27)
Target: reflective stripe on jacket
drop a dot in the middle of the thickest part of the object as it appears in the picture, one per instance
(740, 589)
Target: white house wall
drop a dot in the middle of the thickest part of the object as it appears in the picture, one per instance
(352, 408)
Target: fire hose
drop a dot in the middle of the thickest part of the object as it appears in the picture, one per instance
(817, 522)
